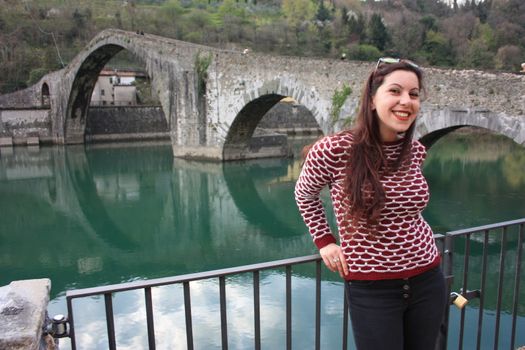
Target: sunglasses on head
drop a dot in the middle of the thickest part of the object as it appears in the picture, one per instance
(390, 60)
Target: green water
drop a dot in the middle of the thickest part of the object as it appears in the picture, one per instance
(88, 216)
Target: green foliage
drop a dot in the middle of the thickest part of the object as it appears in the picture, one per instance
(323, 14)
(145, 95)
(509, 57)
(377, 32)
(478, 55)
(437, 49)
(363, 52)
(298, 11)
(37, 35)
(338, 100)
(35, 75)
(202, 63)
(172, 9)
(429, 22)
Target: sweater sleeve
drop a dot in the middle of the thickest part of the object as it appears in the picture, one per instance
(316, 173)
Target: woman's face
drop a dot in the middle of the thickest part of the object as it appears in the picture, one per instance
(396, 103)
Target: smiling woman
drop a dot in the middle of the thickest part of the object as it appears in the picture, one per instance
(386, 252)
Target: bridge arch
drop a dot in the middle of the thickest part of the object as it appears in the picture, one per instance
(85, 78)
(259, 101)
(434, 124)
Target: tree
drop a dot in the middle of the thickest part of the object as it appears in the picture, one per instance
(509, 34)
(437, 49)
(377, 32)
(509, 57)
(323, 14)
(297, 12)
(407, 37)
(478, 55)
(356, 26)
(363, 52)
(458, 31)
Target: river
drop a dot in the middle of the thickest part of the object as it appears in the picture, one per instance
(101, 214)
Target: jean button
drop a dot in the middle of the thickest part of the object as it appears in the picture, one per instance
(406, 287)
(405, 296)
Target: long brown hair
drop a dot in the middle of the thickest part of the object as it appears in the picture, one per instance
(365, 192)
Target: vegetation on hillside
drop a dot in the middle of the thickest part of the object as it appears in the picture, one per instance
(41, 36)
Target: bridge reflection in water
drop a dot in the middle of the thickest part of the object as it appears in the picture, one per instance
(111, 214)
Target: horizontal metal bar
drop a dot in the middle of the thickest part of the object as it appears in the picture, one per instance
(485, 227)
(121, 287)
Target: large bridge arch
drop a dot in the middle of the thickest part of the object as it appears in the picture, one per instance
(84, 82)
(434, 124)
(82, 88)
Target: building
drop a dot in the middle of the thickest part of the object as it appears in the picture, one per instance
(115, 87)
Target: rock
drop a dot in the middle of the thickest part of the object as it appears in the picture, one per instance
(23, 307)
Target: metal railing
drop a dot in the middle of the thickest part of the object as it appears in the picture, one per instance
(509, 236)
(448, 243)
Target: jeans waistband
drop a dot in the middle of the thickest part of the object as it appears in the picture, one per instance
(394, 283)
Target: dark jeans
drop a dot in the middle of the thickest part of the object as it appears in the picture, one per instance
(401, 314)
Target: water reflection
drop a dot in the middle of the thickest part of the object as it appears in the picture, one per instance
(474, 181)
(106, 214)
(169, 317)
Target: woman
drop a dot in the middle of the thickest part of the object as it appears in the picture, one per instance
(386, 252)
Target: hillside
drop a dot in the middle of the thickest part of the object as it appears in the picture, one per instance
(41, 36)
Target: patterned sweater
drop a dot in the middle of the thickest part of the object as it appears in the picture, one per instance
(404, 245)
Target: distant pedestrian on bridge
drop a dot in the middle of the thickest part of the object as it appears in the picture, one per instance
(386, 251)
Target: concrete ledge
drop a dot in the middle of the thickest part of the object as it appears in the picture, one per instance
(6, 141)
(23, 307)
(147, 136)
(33, 141)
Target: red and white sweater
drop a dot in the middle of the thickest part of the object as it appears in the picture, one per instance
(403, 246)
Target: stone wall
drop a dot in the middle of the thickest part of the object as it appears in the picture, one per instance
(26, 98)
(21, 124)
(289, 118)
(118, 123)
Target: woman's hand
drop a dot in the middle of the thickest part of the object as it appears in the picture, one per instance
(334, 259)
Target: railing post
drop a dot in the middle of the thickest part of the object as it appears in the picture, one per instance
(69, 302)
(502, 255)
(515, 299)
(187, 310)
(149, 318)
(110, 322)
(447, 265)
(318, 305)
(257, 309)
(288, 307)
(224, 323)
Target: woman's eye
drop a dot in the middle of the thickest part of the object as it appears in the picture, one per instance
(394, 91)
(414, 94)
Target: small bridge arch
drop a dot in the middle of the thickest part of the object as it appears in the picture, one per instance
(434, 124)
(44, 96)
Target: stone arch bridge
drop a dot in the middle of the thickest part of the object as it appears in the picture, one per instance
(213, 99)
